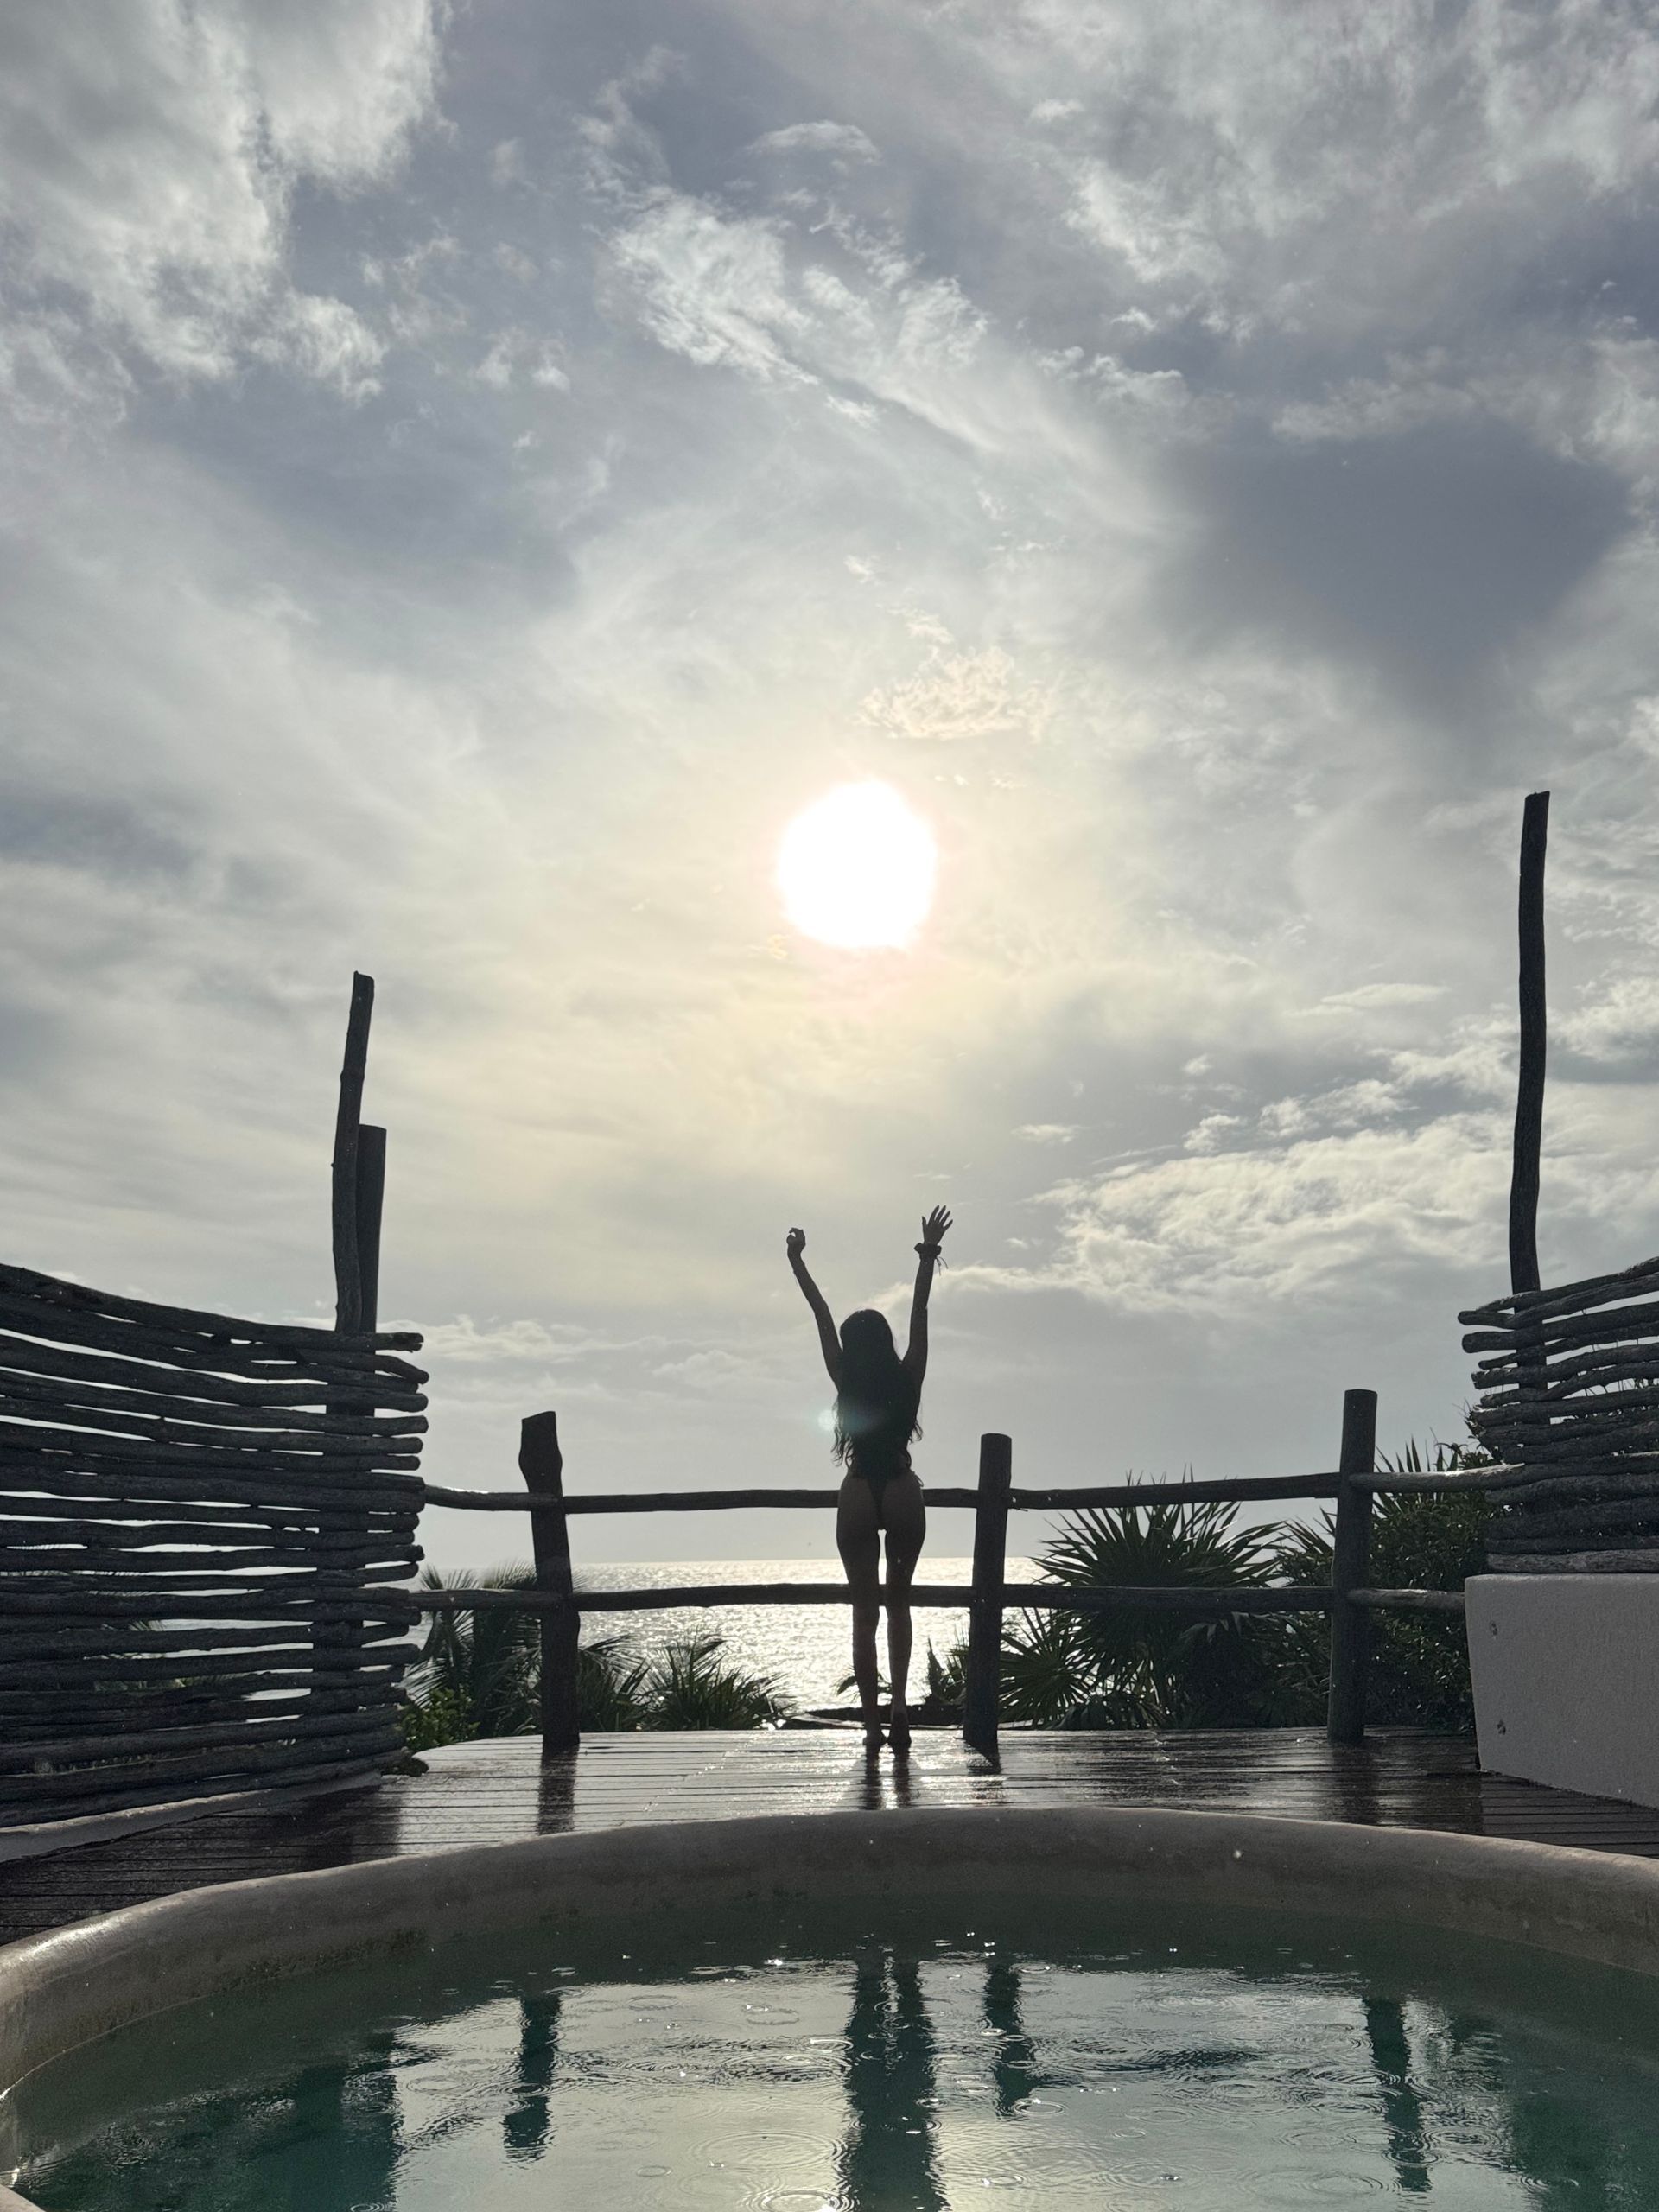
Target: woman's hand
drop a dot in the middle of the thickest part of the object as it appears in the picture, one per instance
(934, 1227)
(795, 1244)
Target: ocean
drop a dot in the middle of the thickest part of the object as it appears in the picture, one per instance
(805, 1649)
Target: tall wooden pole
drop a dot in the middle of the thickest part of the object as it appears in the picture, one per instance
(338, 1646)
(1350, 1627)
(984, 1669)
(348, 1278)
(370, 1200)
(1529, 1090)
(541, 1464)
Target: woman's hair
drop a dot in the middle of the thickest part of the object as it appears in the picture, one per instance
(876, 1403)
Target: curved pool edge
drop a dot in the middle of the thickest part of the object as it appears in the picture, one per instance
(63, 1989)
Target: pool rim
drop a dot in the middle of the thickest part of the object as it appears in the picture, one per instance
(63, 1989)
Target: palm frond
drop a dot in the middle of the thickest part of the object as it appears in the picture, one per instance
(689, 1684)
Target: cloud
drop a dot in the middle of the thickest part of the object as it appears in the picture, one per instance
(1365, 996)
(712, 287)
(466, 1341)
(1243, 159)
(746, 293)
(149, 155)
(708, 1371)
(1335, 1216)
(844, 140)
(1615, 1030)
(956, 696)
(517, 355)
(324, 339)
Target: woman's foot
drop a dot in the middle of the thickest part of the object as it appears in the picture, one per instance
(873, 1737)
(898, 1736)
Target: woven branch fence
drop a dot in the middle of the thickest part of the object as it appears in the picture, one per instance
(200, 1518)
(1569, 1399)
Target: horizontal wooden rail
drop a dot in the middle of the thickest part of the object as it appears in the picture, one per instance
(1046, 1597)
(1476, 1481)
(659, 1501)
(661, 1601)
(1409, 1601)
(1241, 1490)
(1221, 1489)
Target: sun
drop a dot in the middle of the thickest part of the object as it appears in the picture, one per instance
(856, 869)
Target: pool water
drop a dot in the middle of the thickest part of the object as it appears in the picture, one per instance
(1005, 2056)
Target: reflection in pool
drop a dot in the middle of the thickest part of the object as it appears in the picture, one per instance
(1189, 2062)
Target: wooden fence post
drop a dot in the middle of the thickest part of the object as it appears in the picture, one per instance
(370, 1202)
(1535, 1030)
(349, 1288)
(541, 1464)
(1350, 1627)
(337, 1644)
(985, 1610)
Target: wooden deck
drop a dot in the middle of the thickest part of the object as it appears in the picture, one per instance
(496, 1792)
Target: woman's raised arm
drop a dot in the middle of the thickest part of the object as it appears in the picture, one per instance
(933, 1231)
(829, 1342)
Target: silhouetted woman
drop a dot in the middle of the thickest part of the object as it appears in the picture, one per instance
(878, 1396)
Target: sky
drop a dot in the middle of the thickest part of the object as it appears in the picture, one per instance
(473, 474)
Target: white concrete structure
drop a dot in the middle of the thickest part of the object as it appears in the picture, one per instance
(1566, 1670)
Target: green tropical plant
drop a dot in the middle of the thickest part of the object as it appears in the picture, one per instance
(1123, 1668)
(688, 1684)
(941, 1699)
(1419, 1673)
(1046, 1674)
(946, 1681)
(480, 1672)
(610, 1686)
(1128, 1670)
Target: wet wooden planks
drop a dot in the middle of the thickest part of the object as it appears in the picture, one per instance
(497, 1792)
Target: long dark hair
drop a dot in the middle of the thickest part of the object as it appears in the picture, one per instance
(876, 1404)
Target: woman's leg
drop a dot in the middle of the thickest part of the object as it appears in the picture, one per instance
(859, 1542)
(904, 1515)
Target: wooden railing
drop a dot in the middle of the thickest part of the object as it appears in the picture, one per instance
(1348, 1598)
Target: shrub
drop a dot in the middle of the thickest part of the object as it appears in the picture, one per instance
(610, 1685)
(946, 1681)
(1419, 1674)
(688, 1684)
(480, 1672)
(1142, 1669)
(1125, 1669)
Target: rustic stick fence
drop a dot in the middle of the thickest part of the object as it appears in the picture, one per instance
(1569, 1394)
(1569, 1388)
(203, 1522)
(1352, 1487)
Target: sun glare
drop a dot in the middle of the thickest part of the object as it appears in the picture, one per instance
(856, 868)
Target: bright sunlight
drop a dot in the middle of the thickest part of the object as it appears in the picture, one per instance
(856, 869)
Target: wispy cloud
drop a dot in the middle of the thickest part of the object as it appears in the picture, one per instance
(151, 154)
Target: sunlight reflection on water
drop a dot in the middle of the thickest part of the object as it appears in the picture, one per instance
(807, 1648)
